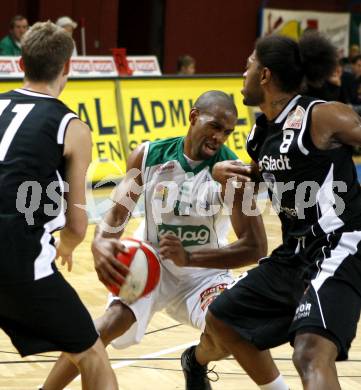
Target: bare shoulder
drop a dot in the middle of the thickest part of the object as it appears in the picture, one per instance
(134, 165)
(135, 158)
(78, 135)
(78, 127)
(334, 113)
(335, 123)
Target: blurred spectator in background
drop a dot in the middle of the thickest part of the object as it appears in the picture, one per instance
(354, 51)
(69, 26)
(347, 61)
(10, 44)
(350, 82)
(356, 66)
(186, 65)
(330, 89)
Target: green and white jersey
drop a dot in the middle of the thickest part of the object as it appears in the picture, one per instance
(183, 201)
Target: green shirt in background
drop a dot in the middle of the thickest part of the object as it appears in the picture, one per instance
(8, 47)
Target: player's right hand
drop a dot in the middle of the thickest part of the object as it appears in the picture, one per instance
(110, 270)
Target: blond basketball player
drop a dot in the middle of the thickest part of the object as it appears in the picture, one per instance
(45, 150)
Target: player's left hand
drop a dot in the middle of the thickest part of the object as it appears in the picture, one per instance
(171, 248)
(66, 255)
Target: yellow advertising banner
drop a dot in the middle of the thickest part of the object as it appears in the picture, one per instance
(159, 108)
(124, 113)
(94, 101)
(6, 86)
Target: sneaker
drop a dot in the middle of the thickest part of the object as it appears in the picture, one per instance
(195, 375)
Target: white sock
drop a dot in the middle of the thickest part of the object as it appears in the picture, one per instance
(278, 384)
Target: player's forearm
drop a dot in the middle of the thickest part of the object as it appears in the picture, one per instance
(125, 200)
(113, 224)
(237, 254)
(72, 237)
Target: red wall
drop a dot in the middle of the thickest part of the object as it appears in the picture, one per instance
(221, 34)
(101, 21)
(101, 18)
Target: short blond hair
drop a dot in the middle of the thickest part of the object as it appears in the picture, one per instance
(45, 48)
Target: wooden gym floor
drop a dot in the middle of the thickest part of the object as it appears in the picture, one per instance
(154, 363)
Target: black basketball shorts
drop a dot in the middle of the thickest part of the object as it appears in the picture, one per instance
(331, 304)
(46, 315)
(262, 303)
(271, 303)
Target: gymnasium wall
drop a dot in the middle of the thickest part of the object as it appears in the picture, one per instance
(101, 19)
(219, 34)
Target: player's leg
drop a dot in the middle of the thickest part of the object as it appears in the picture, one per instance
(228, 342)
(314, 358)
(326, 319)
(212, 349)
(54, 319)
(190, 306)
(221, 339)
(120, 325)
(95, 370)
(256, 361)
(116, 320)
(325, 325)
(253, 316)
(193, 305)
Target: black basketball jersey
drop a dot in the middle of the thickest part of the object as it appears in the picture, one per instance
(315, 192)
(32, 131)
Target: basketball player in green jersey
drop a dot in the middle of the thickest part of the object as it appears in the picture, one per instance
(182, 204)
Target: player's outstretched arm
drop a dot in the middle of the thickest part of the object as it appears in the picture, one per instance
(77, 160)
(106, 242)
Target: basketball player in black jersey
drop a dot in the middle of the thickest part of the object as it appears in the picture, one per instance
(308, 291)
(45, 151)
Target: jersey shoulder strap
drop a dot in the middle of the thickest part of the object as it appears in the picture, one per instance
(159, 152)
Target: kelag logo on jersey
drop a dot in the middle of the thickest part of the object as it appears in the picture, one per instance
(188, 234)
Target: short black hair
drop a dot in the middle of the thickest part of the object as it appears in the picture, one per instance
(312, 59)
(215, 97)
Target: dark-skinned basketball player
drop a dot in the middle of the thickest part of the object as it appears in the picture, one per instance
(308, 291)
(183, 216)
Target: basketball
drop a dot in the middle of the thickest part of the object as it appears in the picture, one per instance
(144, 270)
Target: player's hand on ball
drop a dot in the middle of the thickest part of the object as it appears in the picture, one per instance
(225, 170)
(171, 248)
(110, 271)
